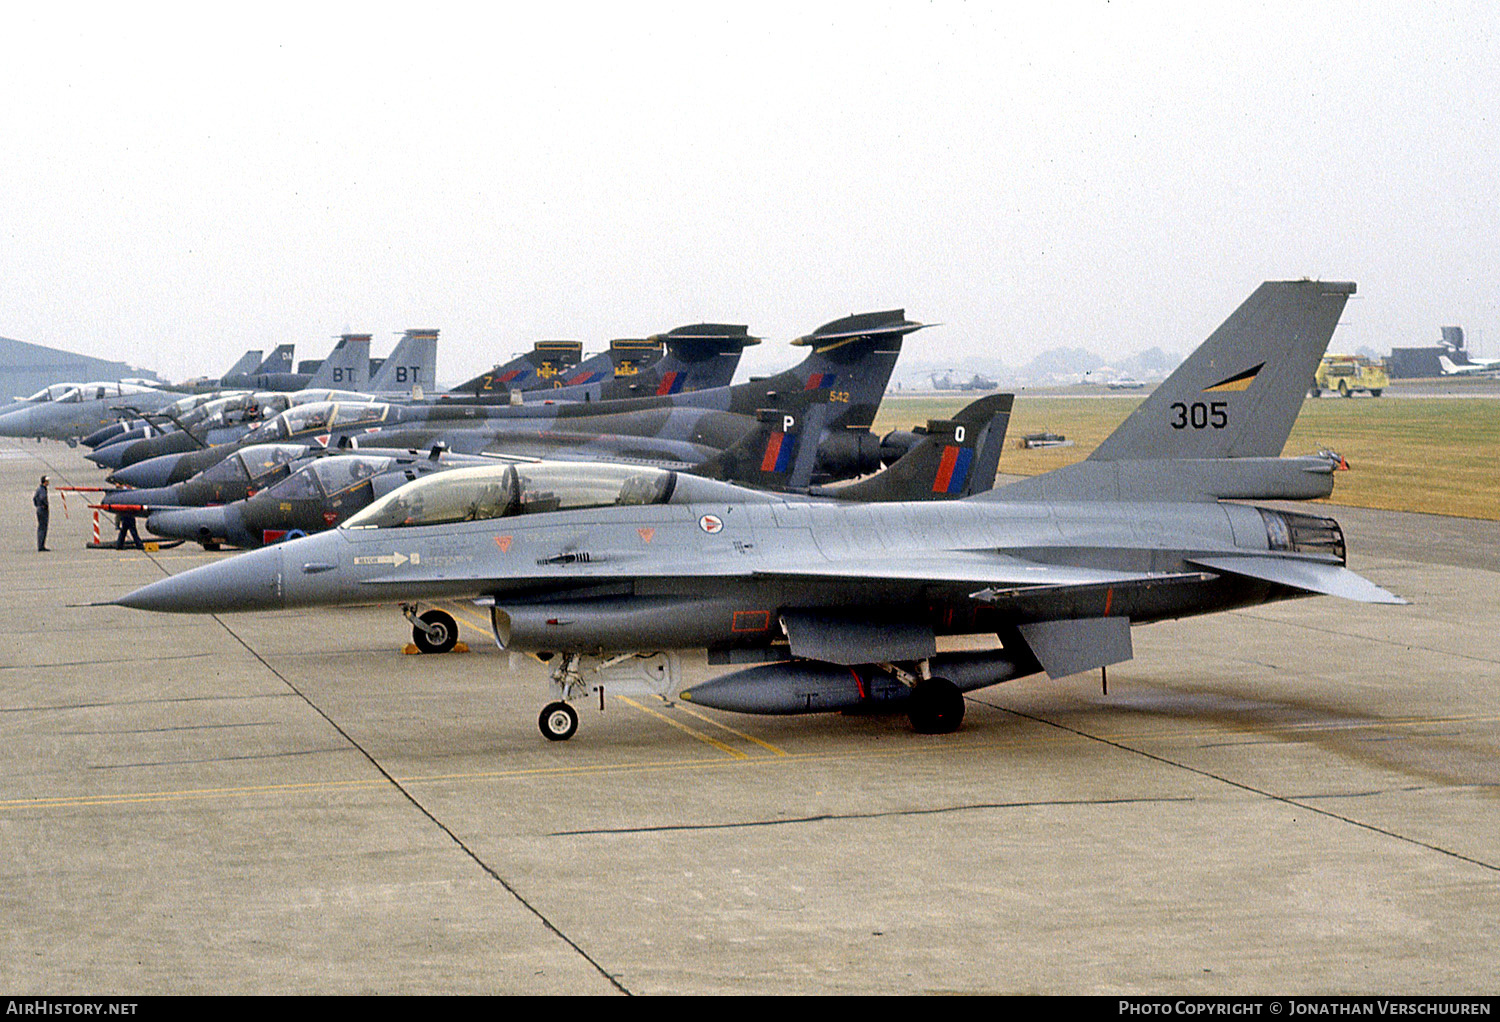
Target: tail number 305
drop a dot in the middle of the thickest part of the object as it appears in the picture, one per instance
(1198, 415)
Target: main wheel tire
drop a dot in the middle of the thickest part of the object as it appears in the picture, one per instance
(1314, 392)
(937, 707)
(1344, 390)
(439, 636)
(1375, 392)
(558, 721)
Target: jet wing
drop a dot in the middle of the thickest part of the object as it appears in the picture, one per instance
(1309, 576)
(991, 573)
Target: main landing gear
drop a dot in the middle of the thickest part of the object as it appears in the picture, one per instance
(936, 707)
(433, 632)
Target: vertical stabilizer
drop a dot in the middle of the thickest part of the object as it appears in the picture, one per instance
(347, 367)
(543, 366)
(279, 361)
(780, 452)
(955, 458)
(852, 358)
(246, 365)
(1238, 395)
(411, 367)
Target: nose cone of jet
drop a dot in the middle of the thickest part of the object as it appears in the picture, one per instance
(249, 581)
(109, 455)
(165, 496)
(106, 434)
(199, 524)
(149, 473)
(16, 423)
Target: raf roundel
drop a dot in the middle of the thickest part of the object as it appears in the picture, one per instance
(711, 524)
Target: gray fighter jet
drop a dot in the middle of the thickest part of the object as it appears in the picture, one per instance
(82, 410)
(605, 570)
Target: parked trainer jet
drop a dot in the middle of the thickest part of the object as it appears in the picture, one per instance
(48, 393)
(268, 493)
(186, 426)
(600, 568)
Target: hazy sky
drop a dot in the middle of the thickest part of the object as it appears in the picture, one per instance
(178, 184)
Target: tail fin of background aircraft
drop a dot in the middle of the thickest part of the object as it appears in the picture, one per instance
(632, 354)
(347, 367)
(411, 367)
(625, 356)
(697, 357)
(544, 364)
(1238, 395)
(246, 365)
(956, 458)
(279, 361)
(780, 453)
(852, 358)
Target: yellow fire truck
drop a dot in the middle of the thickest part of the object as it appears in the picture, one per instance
(1347, 375)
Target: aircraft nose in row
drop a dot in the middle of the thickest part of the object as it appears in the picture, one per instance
(249, 581)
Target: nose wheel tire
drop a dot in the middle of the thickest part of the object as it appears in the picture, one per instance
(936, 707)
(439, 636)
(558, 721)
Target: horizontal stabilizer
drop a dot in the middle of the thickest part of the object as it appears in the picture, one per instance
(1309, 576)
(1071, 646)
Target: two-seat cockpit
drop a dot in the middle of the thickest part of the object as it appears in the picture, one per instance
(331, 476)
(255, 465)
(78, 393)
(318, 417)
(501, 491)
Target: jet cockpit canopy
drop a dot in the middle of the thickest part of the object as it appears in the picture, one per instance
(500, 491)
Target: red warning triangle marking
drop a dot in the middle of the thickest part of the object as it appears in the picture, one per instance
(647, 534)
(503, 542)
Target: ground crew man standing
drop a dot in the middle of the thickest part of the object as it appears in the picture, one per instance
(39, 501)
(126, 523)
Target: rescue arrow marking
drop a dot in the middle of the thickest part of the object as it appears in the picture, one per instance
(393, 559)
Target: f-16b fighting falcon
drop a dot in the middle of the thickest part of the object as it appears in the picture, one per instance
(605, 570)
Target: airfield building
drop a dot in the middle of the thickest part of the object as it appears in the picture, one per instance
(26, 368)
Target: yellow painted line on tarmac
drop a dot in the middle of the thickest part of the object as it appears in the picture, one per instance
(737, 733)
(706, 739)
(571, 770)
(483, 626)
(735, 758)
(68, 801)
(480, 626)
